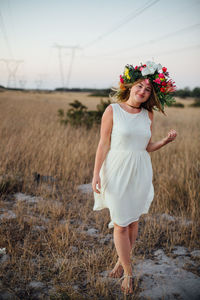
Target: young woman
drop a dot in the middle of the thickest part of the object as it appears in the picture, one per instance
(122, 178)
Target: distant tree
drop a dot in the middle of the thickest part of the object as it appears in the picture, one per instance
(183, 93)
(196, 92)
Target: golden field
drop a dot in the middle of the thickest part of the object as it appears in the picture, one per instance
(47, 241)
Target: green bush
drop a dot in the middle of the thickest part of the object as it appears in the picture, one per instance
(101, 93)
(78, 115)
(177, 104)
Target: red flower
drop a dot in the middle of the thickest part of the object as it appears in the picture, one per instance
(164, 83)
(162, 89)
(164, 69)
(121, 79)
(144, 66)
(136, 67)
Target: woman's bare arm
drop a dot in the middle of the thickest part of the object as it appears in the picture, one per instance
(104, 144)
(153, 146)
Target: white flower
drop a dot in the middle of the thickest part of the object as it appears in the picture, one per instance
(145, 71)
(151, 68)
(159, 67)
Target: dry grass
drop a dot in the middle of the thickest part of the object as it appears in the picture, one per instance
(61, 253)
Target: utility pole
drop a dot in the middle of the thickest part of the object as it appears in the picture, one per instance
(12, 66)
(62, 76)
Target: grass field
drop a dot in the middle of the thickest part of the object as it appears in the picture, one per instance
(47, 239)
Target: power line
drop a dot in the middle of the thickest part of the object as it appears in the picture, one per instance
(163, 37)
(129, 18)
(180, 31)
(149, 54)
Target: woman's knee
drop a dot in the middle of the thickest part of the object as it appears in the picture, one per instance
(120, 229)
(133, 224)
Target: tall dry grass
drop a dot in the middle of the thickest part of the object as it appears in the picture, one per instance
(61, 253)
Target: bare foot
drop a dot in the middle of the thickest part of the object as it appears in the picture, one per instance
(127, 286)
(117, 271)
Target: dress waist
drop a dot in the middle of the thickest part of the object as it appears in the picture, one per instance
(127, 150)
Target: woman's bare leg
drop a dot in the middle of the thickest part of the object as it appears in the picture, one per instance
(123, 247)
(124, 238)
(133, 232)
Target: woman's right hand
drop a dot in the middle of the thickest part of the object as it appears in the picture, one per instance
(96, 181)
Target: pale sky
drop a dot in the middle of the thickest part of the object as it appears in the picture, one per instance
(108, 35)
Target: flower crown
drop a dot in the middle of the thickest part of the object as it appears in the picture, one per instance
(156, 74)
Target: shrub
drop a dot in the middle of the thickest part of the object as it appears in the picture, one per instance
(101, 93)
(177, 104)
(78, 115)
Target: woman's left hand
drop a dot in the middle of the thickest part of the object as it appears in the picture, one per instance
(170, 136)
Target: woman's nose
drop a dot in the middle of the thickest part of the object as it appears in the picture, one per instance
(142, 91)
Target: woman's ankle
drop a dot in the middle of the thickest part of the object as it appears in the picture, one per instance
(128, 269)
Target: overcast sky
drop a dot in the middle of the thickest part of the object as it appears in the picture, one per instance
(106, 34)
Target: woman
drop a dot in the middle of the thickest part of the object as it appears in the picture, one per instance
(122, 178)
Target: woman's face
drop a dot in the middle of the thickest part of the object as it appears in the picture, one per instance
(141, 91)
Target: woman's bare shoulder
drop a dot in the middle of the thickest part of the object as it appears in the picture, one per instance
(108, 112)
(107, 121)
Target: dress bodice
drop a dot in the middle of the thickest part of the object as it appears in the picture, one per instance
(130, 132)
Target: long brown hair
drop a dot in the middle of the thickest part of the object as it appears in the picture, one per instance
(122, 94)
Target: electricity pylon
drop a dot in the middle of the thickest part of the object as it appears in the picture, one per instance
(12, 66)
(62, 75)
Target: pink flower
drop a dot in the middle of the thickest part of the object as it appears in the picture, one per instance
(141, 68)
(171, 87)
(157, 80)
(121, 79)
(161, 75)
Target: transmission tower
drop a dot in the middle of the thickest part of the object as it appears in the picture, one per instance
(22, 83)
(62, 76)
(12, 66)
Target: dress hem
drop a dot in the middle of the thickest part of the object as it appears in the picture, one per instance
(112, 222)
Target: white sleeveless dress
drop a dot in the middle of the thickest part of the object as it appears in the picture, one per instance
(126, 173)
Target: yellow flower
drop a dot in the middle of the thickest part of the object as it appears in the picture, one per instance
(126, 72)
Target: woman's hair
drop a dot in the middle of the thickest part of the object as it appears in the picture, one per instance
(122, 94)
